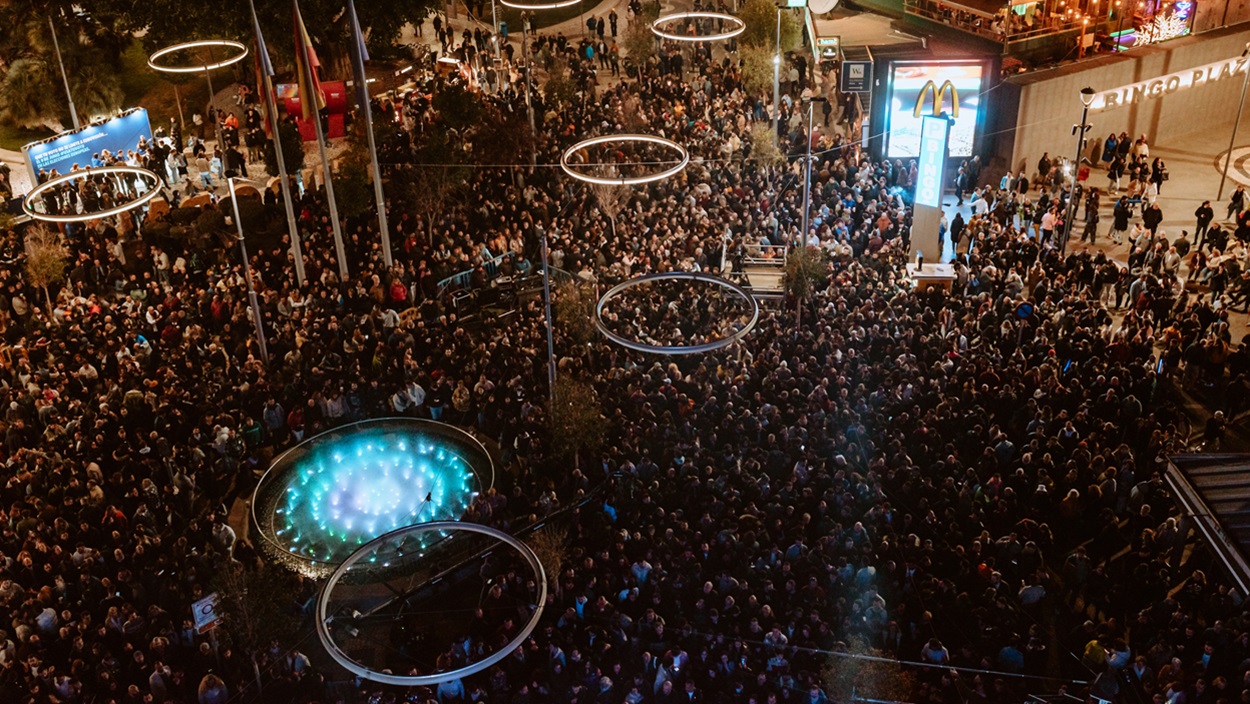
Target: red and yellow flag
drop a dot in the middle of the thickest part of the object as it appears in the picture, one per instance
(311, 99)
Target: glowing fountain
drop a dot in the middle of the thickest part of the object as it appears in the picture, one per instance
(327, 496)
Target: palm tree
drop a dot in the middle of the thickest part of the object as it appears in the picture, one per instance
(31, 91)
(28, 97)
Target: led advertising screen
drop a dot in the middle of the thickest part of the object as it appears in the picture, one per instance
(925, 83)
(119, 134)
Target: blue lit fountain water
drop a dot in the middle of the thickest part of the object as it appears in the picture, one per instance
(333, 493)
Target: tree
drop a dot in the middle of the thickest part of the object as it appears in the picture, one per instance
(638, 43)
(353, 186)
(292, 150)
(560, 88)
(165, 22)
(256, 607)
(210, 226)
(575, 310)
(26, 96)
(757, 70)
(805, 270)
(502, 137)
(457, 107)
(438, 172)
(551, 545)
(858, 671)
(46, 260)
(32, 95)
(31, 91)
(576, 422)
(611, 199)
(760, 18)
(764, 150)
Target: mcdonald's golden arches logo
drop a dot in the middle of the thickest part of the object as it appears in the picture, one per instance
(938, 95)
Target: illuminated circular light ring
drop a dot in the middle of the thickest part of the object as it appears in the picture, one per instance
(624, 181)
(677, 349)
(35, 193)
(281, 503)
(229, 44)
(323, 600)
(737, 26)
(539, 6)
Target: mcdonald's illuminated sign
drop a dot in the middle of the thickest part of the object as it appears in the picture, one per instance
(938, 94)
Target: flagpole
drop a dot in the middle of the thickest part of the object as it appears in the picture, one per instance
(340, 251)
(379, 196)
(297, 251)
(297, 248)
(377, 189)
(247, 271)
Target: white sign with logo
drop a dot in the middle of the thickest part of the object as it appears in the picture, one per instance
(933, 133)
(205, 613)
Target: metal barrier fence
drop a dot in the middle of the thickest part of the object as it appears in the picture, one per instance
(463, 280)
(765, 255)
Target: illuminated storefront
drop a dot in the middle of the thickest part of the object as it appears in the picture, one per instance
(911, 84)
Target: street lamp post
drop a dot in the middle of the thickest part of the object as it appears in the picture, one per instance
(247, 272)
(1233, 137)
(1087, 99)
(494, 18)
(777, 78)
(1119, 26)
(807, 180)
(551, 345)
(73, 111)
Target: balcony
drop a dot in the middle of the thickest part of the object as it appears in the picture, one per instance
(1008, 23)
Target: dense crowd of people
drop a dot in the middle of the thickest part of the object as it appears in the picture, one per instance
(907, 476)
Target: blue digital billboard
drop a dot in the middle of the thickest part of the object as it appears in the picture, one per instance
(118, 134)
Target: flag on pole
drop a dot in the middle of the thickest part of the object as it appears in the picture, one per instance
(311, 100)
(360, 54)
(262, 52)
(264, 71)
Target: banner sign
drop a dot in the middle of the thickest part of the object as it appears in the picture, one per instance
(119, 134)
(855, 76)
(1166, 85)
(205, 613)
(933, 133)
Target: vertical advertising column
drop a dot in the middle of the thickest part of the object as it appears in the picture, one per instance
(930, 172)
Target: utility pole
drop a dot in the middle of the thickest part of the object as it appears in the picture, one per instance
(1233, 137)
(551, 345)
(777, 79)
(807, 179)
(1087, 99)
(73, 111)
(247, 272)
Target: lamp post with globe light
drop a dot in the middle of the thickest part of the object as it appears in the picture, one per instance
(1087, 99)
(1232, 138)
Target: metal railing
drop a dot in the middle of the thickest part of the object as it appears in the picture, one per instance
(463, 280)
(979, 22)
(765, 255)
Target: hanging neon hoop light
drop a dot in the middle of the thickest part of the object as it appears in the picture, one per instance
(713, 345)
(226, 43)
(737, 26)
(539, 6)
(33, 196)
(360, 560)
(684, 159)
